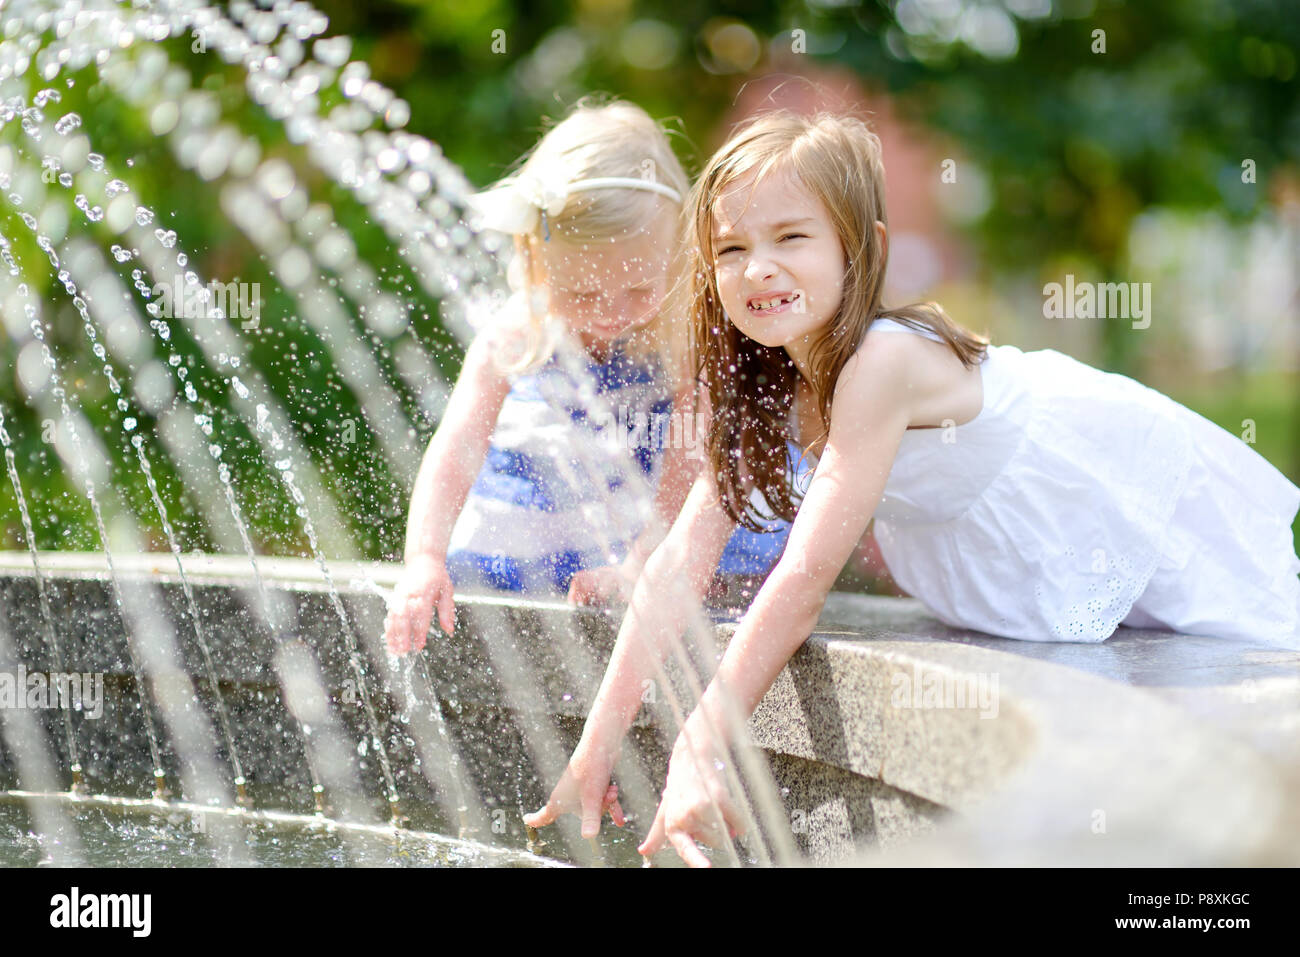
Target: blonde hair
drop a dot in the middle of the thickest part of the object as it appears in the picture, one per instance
(598, 140)
(751, 386)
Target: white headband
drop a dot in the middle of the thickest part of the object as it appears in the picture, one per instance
(520, 204)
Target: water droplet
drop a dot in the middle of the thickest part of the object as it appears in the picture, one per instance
(334, 51)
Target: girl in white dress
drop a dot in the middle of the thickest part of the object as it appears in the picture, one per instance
(1111, 504)
(1025, 495)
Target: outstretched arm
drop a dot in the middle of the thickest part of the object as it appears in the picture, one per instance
(867, 424)
(451, 463)
(674, 580)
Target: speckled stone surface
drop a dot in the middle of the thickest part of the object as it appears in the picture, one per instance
(892, 738)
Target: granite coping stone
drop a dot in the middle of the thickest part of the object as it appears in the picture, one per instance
(1149, 748)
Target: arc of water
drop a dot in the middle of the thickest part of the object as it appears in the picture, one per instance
(304, 695)
(252, 399)
(586, 469)
(333, 250)
(157, 656)
(160, 658)
(342, 615)
(123, 405)
(47, 615)
(271, 614)
(241, 788)
(298, 497)
(235, 208)
(363, 164)
(453, 773)
(771, 798)
(89, 489)
(176, 710)
(287, 477)
(378, 403)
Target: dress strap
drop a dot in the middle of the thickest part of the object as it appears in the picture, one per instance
(893, 325)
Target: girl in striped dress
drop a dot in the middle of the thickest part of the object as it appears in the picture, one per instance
(572, 434)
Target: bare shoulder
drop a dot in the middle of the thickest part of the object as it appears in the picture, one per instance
(882, 372)
(926, 378)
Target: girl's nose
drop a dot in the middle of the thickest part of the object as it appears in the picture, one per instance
(759, 269)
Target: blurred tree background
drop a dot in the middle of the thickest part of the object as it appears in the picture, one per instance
(1154, 141)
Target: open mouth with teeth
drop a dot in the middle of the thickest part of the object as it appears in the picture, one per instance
(766, 305)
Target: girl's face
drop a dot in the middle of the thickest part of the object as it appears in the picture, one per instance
(603, 290)
(778, 260)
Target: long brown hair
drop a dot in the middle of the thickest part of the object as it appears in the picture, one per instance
(751, 387)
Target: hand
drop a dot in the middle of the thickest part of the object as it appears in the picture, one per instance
(696, 806)
(423, 586)
(585, 790)
(600, 586)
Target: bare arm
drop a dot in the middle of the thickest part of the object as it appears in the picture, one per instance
(451, 463)
(870, 412)
(869, 416)
(670, 587)
(455, 454)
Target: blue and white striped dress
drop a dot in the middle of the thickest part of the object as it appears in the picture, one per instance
(569, 478)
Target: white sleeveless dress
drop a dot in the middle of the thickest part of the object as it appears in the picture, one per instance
(1078, 500)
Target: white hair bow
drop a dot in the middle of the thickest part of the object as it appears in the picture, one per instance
(517, 204)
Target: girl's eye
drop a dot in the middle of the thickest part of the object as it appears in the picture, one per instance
(728, 249)
(793, 236)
